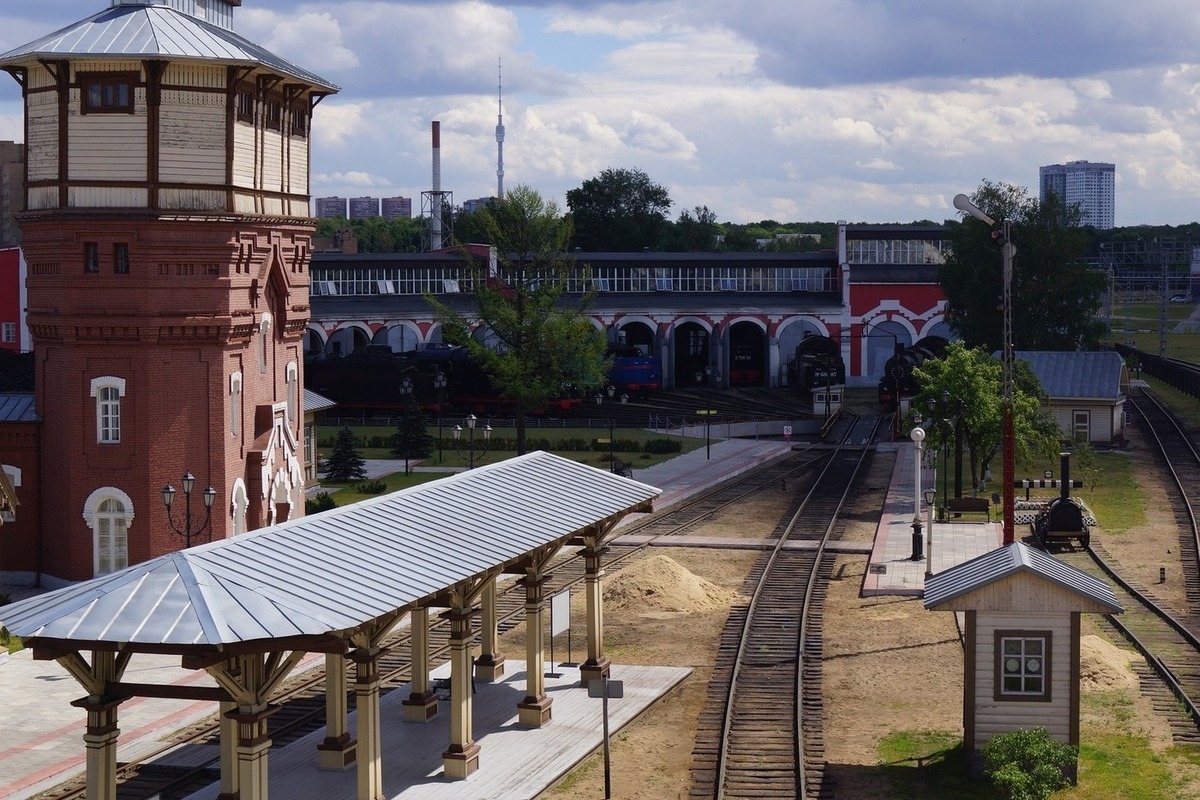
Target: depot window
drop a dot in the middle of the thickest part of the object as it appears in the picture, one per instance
(108, 92)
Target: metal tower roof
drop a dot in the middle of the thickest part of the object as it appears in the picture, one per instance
(155, 31)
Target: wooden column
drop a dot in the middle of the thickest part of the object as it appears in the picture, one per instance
(534, 710)
(100, 739)
(422, 702)
(102, 732)
(490, 664)
(461, 759)
(597, 665)
(338, 750)
(252, 746)
(229, 764)
(366, 702)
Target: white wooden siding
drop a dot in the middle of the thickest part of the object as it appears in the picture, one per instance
(42, 197)
(39, 78)
(192, 74)
(272, 162)
(243, 155)
(108, 146)
(1105, 421)
(298, 173)
(42, 150)
(192, 199)
(244, 203)
(992, 717)
(107, 197)
(192, 138)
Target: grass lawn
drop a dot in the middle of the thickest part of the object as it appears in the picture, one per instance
(1138, 324)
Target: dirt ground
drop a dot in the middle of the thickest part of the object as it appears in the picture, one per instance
(889, 665)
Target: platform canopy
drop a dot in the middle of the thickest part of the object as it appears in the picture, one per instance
(324, 576)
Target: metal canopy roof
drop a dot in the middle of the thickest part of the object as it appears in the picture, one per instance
(316, 402)
(128, 31)
(332, 572)
(999, 564)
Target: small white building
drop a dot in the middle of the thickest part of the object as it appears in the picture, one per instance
(1086, 391)
(1021, 610)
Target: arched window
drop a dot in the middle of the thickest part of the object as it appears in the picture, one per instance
(241, 501)
(293, 374)
(264, 341)
(235, 402)
(108, 511)
(108, 391)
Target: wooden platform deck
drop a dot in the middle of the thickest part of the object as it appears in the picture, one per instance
(513, 762)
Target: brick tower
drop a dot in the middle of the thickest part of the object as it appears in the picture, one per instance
(167, 232)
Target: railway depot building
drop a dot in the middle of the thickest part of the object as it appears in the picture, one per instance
(718, 320)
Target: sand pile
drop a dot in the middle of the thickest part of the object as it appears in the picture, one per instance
(658, 583)
(1104, 666)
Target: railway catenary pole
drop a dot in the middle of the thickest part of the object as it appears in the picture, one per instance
(1007, 251)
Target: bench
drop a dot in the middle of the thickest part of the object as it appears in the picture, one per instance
(969, 505)
(619, 467)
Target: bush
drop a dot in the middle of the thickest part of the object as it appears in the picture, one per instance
(371, 487)
(321, 502)
(662, 446)
(1028, 764)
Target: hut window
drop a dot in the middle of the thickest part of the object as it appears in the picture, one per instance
(1023, 665)
(245, 105)
(108, 93)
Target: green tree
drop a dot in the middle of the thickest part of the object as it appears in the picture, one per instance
(695, 231)
(972, 376)
(375, 234)
(620, 210)
(1056, 297)
(538, 340)
(411, 439)
(345, 463)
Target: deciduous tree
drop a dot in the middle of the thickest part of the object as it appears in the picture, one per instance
(1056, 297)
(620, 210)
(538, 339)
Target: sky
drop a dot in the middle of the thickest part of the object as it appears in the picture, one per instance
(792, 110)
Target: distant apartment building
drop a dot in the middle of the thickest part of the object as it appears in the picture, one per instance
(476, 203)
(331, 207)
(1090, 185)
(364, 207)
(396, 207)
(12, 191)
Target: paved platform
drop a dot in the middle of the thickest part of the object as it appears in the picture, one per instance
(514, 762)
(890, 569)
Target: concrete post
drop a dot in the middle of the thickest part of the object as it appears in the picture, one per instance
(490, 664)
(366, 701)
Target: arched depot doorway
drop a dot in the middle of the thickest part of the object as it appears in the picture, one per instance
(691, 355)
(639, 335)
(747, 354)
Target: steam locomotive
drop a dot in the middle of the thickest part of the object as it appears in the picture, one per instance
(441, 378)
(898, 381)
(818, 363)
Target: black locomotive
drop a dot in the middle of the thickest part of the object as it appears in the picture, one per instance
(818, 363)
(898, 381)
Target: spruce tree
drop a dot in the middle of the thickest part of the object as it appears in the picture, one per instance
(345, 464)
(411, 439)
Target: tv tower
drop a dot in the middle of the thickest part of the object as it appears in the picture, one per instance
(499, 130)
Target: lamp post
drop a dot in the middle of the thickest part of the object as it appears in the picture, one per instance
(917, 435)
(707, 414)
(470, 455)
(406, 392)
(439, 385)
(1007, 251)
(930, 499)
(168, 497)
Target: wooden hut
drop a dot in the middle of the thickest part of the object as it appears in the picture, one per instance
(1021, 611)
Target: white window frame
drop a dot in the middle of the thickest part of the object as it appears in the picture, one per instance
(238, 505)
(235, 403)
(14, 480)
(1023, 665)
(98, 521)
(264, 339)
(292, 373)
(10, 333)
(108, 408)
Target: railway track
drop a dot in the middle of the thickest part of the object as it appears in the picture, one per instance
(302, 699)
(760, 734)
(1180, 460)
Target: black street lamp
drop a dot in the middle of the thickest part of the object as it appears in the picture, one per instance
(406, 392)
(439, 385)
(168, 496)
(469, 456)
